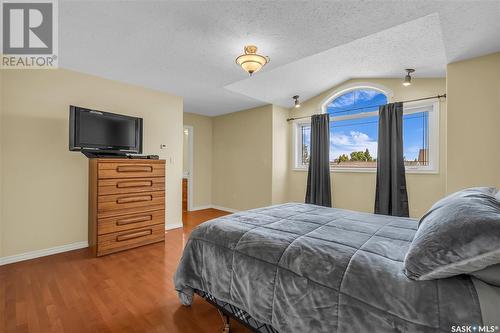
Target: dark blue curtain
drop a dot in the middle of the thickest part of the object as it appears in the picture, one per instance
(318, 177)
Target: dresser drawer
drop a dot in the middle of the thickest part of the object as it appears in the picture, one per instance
(131, 185)
(128, 239)
(122, 204)
(133, 169)
(132, 221)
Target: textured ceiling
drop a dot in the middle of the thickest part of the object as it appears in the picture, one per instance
(188, 47)
(416, 44)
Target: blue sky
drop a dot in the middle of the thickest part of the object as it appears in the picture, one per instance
(360, 134)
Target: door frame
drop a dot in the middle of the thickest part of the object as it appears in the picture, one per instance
(191, 165)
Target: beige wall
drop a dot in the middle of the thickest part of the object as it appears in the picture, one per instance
(280, 155)
(356, 190)
(242, 159)
(268, 128)
(202, 158)
(473, 123)
(44, 185)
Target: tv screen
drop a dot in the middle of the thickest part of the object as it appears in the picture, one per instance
(104, 131)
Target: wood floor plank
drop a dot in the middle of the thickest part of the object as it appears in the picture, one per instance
(130, 291)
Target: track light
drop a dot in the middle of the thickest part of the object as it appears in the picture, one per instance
(407, 80)
(296, 101)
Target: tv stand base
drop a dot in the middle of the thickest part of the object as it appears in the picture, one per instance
(98, 154)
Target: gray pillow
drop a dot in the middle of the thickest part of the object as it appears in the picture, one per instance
(460, 234)
(490, 274)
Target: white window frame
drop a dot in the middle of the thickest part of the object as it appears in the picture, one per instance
(432, 106)
(297, 144)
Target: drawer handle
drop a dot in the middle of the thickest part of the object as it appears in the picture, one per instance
(135, 234)
(131, 220)
(126, 184)
(134, 168)
(134, 199)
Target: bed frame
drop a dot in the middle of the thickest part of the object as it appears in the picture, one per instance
(228, 311)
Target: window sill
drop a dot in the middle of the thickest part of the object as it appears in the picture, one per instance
(372, 170)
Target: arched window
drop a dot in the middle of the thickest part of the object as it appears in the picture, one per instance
(354, 127)
(354, 130)
(355, 101)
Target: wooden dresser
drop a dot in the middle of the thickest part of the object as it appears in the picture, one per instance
(126, 203)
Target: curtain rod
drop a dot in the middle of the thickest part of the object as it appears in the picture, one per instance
(411, 100)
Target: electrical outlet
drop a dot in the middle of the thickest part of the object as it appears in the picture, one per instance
(163, 146)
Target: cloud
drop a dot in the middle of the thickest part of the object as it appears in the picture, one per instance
(341, 143)
(359, 137)
(367, 94)
(342, 101)
(351, 98)
(340, 139)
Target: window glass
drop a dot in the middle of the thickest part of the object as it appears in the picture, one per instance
(356, 102)
(416, 139)
(354, 128)
(353, 143)
(305, 149)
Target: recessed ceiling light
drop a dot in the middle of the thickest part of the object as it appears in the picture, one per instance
(252, 62)
(296, 101)
(407, 80)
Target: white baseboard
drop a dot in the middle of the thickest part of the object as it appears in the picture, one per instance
(230, 210)
(173, 226)
(42, 253)
(200, 208)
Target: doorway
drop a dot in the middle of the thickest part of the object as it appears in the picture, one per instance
(187, 169)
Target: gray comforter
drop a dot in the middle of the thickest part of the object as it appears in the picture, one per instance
(305, 268)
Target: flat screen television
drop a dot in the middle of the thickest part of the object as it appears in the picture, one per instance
(104, 132)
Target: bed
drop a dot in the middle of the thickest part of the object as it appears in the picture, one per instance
(305, 268)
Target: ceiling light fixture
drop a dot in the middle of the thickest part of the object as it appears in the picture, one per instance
(252, 62)
(407, 80)
(296, 101)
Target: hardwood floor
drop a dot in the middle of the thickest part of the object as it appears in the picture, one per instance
(130, 291)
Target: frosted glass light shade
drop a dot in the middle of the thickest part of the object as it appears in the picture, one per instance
(251, 62)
